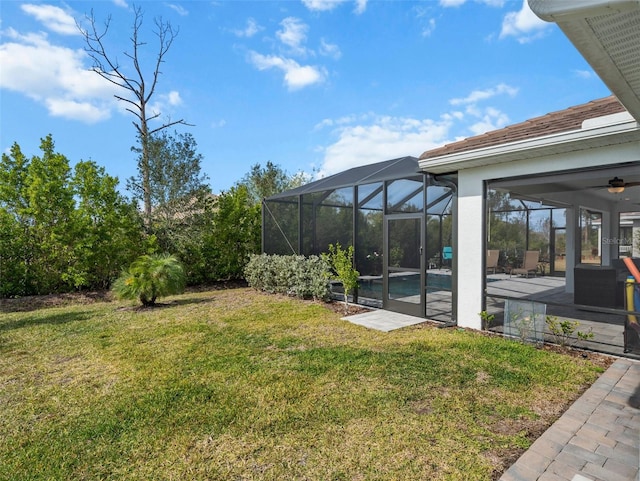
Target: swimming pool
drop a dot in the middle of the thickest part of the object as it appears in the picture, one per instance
(407, 285)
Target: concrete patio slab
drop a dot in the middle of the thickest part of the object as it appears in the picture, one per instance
(383, 320)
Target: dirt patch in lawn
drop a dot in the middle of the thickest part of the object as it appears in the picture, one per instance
(32, 303)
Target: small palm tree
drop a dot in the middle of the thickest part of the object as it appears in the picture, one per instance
(150, 277)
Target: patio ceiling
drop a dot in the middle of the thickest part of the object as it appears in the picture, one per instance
(607, 34)
(562, 189)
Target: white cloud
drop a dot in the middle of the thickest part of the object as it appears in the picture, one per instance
(329, 50)
(121, 3)
(179, 9)
(322, 5)
(457, 3)
(296, 76)
(376, 138)
(72, 109)
(293, 34)
(172, 98)
(327, 5)
(345, 120)
(52, 17)
(428, 29)
(523, 24)
(250, 30)
(368, 138)
(491, 119)
(428, 25)
(361, 6)
(478, 95)
(584, 74)
(488, 118)
(452, 3)
(55, 77)
(165, 102)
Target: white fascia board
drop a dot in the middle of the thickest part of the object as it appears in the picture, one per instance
(497, 154)
(560, 10)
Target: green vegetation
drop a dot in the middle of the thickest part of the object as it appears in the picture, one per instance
(300, 276)
(562, 331)
(486, 319)
(61, 229)
(66, 229)
(238, 384)
(150, 277)
(342, 262)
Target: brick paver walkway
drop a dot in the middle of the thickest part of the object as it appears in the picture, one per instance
(596, 439)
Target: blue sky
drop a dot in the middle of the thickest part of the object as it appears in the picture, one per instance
(316, 86)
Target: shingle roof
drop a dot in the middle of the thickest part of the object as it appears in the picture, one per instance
(552, 123)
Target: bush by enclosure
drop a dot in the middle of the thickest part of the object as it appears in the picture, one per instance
(294, 275)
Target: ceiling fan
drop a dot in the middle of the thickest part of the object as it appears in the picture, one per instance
(616, 185)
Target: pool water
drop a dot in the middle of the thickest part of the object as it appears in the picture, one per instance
(407, 285)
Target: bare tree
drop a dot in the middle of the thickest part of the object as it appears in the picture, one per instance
(141, 85)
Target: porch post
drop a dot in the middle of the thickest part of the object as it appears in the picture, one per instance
(470, 250)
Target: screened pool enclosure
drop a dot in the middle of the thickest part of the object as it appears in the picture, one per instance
(399, 221)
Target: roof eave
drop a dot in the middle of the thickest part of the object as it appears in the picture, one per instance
(533, 148)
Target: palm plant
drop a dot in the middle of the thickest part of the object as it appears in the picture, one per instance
(150, 277)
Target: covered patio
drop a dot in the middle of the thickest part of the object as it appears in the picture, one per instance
(549, 295)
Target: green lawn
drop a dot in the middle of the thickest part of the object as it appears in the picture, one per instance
(239, 385)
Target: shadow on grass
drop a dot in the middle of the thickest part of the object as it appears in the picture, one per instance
(33, 320)
(36, 303)
(169, 304)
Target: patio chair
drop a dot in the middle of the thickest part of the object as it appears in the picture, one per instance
(492, 260)
(447, 255)
(530, 264)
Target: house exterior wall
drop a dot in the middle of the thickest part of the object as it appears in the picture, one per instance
(471, 215)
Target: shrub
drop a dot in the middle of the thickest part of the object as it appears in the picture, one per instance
(150, 277)
(295, 275)
(341, 261)
(563, 329)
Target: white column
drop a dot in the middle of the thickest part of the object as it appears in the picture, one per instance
(470, 250)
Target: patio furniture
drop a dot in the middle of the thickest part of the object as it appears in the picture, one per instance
(447, 255)
(530, 264)
(492, 260)
(596, 285)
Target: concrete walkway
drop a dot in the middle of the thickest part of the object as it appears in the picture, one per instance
(596, 439)
(383, 320)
